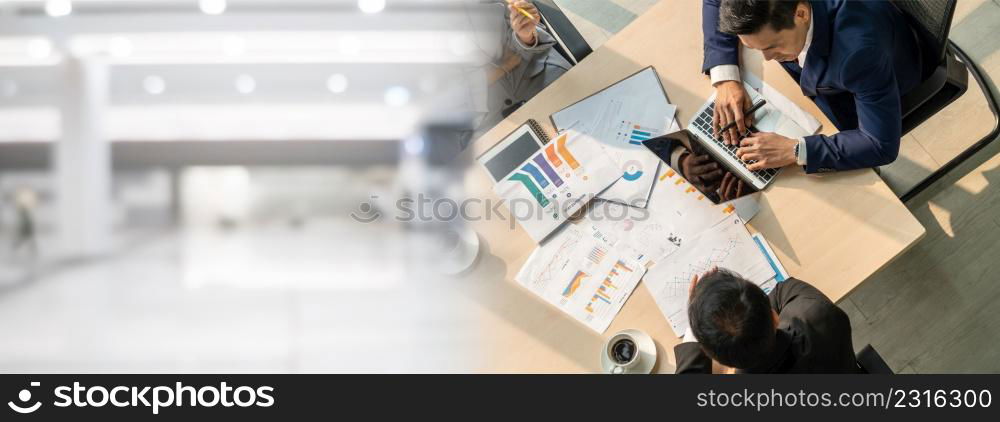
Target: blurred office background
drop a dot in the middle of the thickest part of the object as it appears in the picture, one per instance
(186, 171)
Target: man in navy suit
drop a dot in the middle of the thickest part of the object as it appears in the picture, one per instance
(854, 59)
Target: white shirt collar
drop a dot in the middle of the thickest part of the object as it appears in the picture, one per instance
(809, 39)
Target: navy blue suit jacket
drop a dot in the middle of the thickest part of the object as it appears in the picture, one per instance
(863, 57)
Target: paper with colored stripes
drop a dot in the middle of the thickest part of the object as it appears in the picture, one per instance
(556, 182)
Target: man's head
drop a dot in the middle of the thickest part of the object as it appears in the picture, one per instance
(732, 319)
(777, 28)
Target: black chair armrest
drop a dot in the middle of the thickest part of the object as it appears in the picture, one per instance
(569, 42)
(871, 362)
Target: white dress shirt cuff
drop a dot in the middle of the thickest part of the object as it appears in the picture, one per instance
(801, 159)
(724, 72)
(689, 336)
(675, 158)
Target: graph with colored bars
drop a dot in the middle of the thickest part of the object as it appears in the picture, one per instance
(607, 292)
(574, 284)
(548, 168)
(672, 176)
(634, 133)
(596, 255)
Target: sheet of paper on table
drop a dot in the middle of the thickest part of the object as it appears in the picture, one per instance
(581, 275)
(727, 245)
(791, 121)
(621, 117)
(638, 233)
(556, 182)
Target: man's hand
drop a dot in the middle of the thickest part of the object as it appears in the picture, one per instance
(731, 100)
(701, 171)
(694, 280)
(769, 150)
(523, 26)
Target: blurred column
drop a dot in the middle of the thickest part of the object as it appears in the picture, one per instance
(82, 161)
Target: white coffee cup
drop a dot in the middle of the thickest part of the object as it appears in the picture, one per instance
(622, 351)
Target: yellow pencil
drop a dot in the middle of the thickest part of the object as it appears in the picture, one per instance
(523, 12)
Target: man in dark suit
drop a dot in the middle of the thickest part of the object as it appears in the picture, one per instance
(793, 329)
(854, 59)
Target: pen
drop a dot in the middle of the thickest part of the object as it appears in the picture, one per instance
(745, 113)
(523, 12)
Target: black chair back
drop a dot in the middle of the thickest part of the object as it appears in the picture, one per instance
(931, 21)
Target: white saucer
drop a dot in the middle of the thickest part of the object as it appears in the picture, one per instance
(463, 254)
(647, 353)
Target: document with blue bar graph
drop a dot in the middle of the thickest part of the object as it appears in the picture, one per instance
(556, 182)
(620, 117)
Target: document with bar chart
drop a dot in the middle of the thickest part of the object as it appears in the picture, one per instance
(556, 182)
(620, 117)
(581, 275)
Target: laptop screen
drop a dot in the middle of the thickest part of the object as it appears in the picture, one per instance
(699, 167)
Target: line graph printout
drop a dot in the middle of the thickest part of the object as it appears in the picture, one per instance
(556, 182)
(582, 275)
(724, 245)
(644, 235)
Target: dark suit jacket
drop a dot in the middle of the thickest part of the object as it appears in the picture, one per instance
(863, 57)
(814, 336)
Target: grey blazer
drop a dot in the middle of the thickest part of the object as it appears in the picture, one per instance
(540, 65)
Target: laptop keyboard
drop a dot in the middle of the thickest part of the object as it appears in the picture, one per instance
(704, 122)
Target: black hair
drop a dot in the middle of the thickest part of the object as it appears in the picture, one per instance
(742, 17)
(731, 317)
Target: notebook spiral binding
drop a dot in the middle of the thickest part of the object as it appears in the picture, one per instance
(537, 128)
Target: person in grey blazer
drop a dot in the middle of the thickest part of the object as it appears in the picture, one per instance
(527, 65)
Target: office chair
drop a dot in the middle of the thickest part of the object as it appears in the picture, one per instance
(944, 74)
(569, 43)
(870, 362)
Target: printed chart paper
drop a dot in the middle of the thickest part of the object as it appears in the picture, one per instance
(582, 276)
(620, 117)
(725, 245)
(556, 182)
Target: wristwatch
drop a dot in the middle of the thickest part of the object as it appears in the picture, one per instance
(797, 151)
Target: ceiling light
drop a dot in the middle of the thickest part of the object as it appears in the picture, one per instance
(245, 84)
(212, 7)
(371, 6)
(337, 83)
(397, 96)
(57, 8)
(154, 85)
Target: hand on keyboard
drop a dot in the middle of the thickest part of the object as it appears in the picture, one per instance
(765, 150)
(731, 100)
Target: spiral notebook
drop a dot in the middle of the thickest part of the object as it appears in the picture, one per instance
(513, 149)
